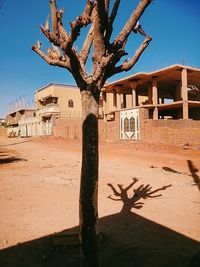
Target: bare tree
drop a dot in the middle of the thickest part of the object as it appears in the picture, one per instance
(99, 17)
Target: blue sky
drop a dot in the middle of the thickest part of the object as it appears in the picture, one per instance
(173, 24)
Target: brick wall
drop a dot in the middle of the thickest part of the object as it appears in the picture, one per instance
(72, 128)
(112, 129)
(176, 132)
(3, 131)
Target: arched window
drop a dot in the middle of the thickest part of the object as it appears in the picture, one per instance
(70, 103)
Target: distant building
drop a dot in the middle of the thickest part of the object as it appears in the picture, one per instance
(54, 102)
(14, 117)
(2, 122)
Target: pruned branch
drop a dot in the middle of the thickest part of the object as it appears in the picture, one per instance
(86, 46)
(105, 56)
(99, 29)
(123, 35)
(81, 21)
(111, 20)
(54, 17)
(52, 57)
(128, 64)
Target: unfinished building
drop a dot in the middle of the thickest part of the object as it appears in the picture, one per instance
(162, 105)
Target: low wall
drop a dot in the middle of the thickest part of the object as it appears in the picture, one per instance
(13, 131)
(72, 128)
(113, 129)
(172, 132)
(3, 131)
(176, 132)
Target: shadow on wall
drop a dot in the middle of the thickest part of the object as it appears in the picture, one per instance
(129, 240)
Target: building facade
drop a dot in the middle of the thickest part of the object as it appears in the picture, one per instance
(160, 106)
(54, 103)
(156, 106)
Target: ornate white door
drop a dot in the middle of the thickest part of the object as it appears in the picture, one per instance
(129, 124)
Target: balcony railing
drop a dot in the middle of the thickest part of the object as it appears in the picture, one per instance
(49, 110)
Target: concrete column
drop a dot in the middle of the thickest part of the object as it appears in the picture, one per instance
(185, 110)
(133, 86)
(134, 98)
(155, 98)
(121, 100)
(184, 93)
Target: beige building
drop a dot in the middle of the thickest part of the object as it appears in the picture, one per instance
(54, 102)
(14, 118)
(58, 99)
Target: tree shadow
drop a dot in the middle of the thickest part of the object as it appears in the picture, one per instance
(141, 192)
(11, 159)
(7, 157)
(168, 169)
(130, 240)
(193, 170)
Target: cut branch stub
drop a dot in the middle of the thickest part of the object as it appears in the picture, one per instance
(54, 17)
(123, 35)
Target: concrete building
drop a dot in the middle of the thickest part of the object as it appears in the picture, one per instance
(14, 118)
(163, 105)
(55, 103)
(160, 106)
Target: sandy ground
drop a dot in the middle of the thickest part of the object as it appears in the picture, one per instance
(149, 213)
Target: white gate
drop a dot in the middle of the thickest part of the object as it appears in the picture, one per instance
(48, 127)
(129, 124)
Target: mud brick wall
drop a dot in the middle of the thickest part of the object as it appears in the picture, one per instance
(3, 131)
(176, 132)
(72, 128)
(113, 129)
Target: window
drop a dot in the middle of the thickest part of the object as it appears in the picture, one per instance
(132, 124)
(126, 125)
(70, 103)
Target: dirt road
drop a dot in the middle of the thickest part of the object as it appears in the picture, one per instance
(149, 213)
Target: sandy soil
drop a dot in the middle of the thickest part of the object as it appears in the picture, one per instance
(149, 213)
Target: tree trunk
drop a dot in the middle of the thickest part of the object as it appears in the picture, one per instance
(88, 209)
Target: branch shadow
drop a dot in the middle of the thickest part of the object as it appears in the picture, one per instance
(193, 170)
(141, 192)
(129, 240)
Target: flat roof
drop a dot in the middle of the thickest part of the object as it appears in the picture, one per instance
(171, 72)
(56, 84)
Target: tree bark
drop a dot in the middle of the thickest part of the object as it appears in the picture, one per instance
(88, 209)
